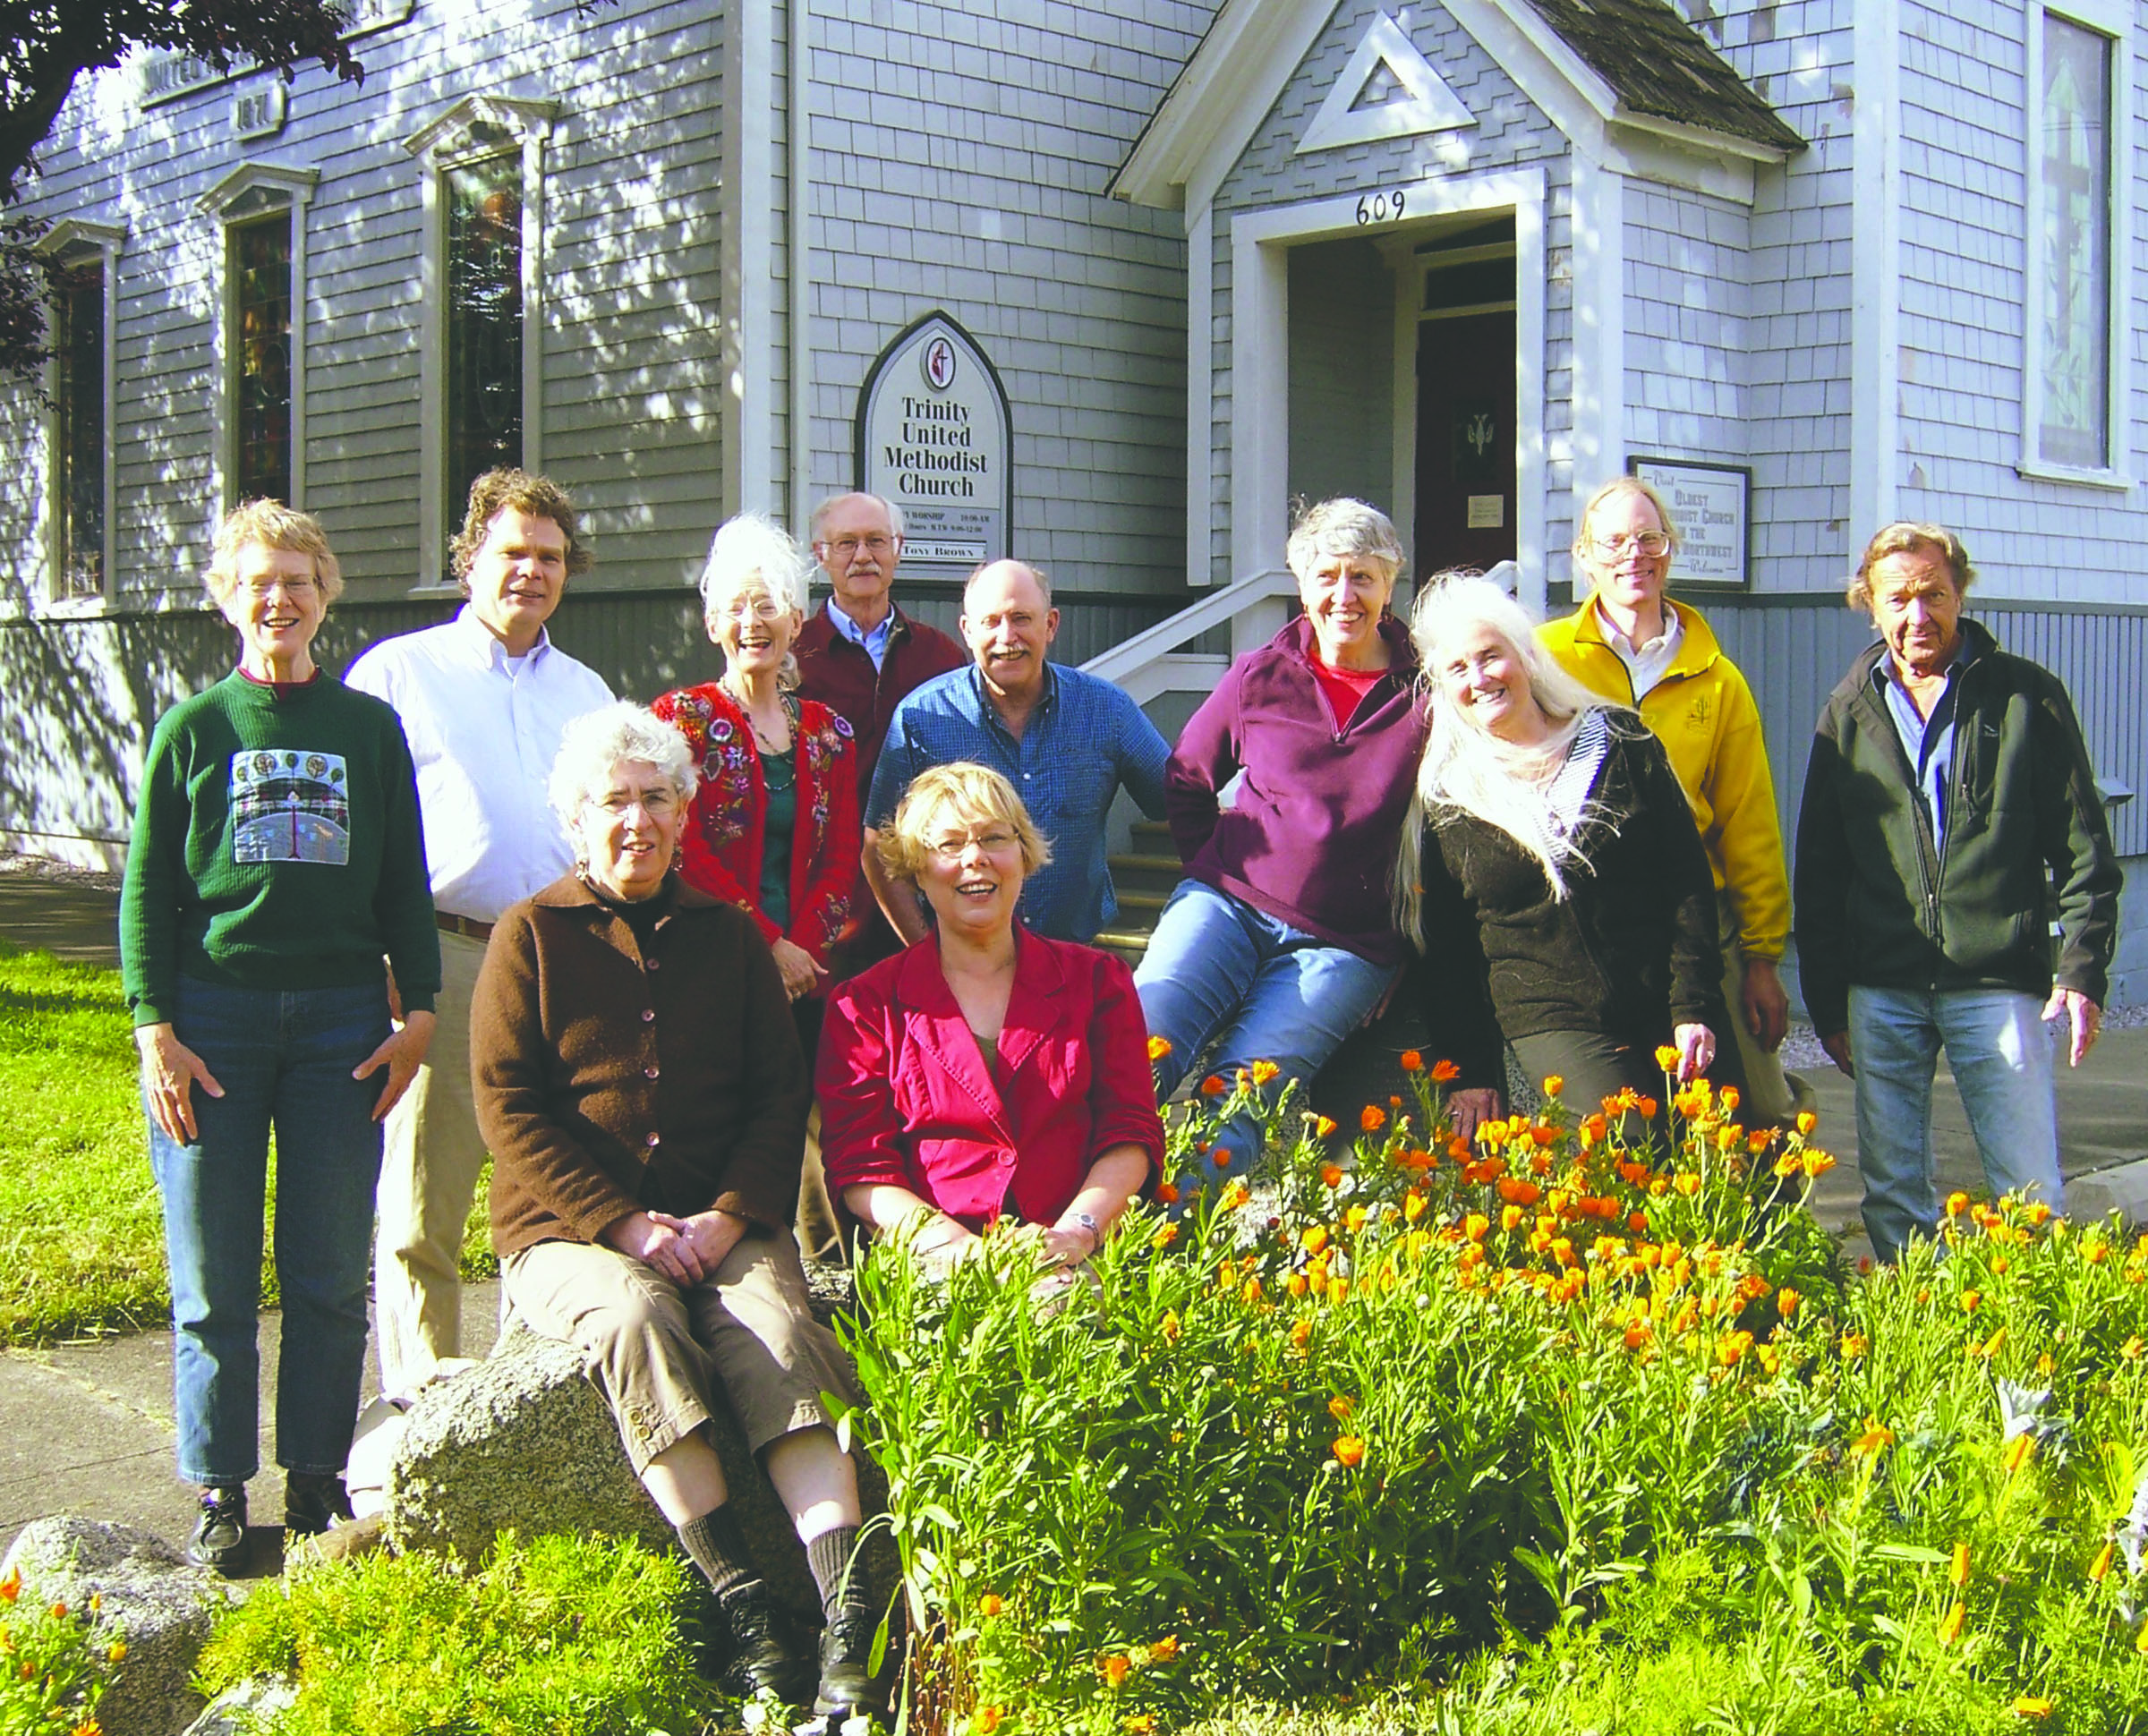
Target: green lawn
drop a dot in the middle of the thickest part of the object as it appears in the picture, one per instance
(81, 1240)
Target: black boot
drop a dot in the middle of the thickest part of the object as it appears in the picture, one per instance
(220, 1539)
(764, 1656)
(847, 1687)
(313, 1503)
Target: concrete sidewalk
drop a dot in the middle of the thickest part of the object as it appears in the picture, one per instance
(90, 1424)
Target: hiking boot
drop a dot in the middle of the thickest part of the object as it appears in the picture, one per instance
(847, 1687)
(765, 1656)
(220, 1539)
(313, 1503)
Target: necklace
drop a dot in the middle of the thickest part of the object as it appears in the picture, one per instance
(761, 737)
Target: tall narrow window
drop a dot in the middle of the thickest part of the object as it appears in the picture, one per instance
(484, 320)
(2074, 244)
(79, 351)
(260, 277)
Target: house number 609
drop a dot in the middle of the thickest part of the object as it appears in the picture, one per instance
(1379, 208)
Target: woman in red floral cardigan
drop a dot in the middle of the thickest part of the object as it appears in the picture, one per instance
(774, 826)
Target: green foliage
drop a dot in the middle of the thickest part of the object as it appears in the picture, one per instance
(82, 1232)
(559, 1637)
(1549, 1432)
(51, 1666)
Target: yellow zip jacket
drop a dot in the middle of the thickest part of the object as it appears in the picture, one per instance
(1703, 713)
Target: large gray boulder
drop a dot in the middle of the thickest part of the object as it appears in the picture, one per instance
(524, 1440)
(146, 1595)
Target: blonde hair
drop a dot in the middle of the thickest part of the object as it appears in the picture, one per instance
(1618, 485)
(1903, 537)
(974, 795)
(1343, 526)
(272, 526)
(1468, 769)
(752, 553)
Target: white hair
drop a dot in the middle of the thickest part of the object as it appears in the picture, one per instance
(1468, 769)
(819, 521)
(753, 553)
(1343, 527)
(597, 741)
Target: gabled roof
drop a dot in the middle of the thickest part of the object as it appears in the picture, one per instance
(1633, 65)
(1659, 64)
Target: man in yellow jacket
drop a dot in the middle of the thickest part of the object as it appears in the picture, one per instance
(1630, 644)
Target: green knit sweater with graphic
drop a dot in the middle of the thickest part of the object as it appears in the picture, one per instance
(277, 846)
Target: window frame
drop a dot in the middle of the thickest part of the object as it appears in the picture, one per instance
(77, 238)
(473, 130)
(2101, 19)
(250, 192)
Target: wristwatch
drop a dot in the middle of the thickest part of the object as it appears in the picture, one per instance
(1095, 1229)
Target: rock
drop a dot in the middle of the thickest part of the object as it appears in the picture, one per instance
(524, 1440)
(2122, 1188)
(148, 1595)
(241, 1710)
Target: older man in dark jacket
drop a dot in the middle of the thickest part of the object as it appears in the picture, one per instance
(1946, 775)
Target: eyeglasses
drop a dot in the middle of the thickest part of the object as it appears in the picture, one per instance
(875, 545)
(752, 609)
(261, 590)
(956, 846)
(1648, 542)
(654, 803)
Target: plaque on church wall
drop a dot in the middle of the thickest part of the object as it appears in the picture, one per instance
(1711, 505)
(935, 437)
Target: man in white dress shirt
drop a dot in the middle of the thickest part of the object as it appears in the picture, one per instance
(483, 698)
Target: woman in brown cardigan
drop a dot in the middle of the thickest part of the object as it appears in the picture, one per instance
(641, 1086)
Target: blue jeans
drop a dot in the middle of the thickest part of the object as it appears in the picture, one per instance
(2001, 1055)
(284, 1060)
(1218, 970)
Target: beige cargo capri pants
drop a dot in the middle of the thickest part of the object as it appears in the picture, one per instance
(654, 1346)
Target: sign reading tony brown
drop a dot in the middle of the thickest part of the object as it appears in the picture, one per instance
(933, 437)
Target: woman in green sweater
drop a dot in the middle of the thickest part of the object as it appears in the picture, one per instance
(276, 859)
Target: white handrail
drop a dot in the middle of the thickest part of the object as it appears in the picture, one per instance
(1246, 606)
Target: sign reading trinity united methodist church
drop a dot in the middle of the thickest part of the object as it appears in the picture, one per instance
(933, 437)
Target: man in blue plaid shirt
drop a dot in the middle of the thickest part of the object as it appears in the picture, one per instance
(1067, 742)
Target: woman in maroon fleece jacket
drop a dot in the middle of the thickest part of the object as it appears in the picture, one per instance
(1279, 942)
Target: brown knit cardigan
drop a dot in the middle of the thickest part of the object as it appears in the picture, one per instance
(609, 1082)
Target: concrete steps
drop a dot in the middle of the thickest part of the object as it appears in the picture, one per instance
(1143, 877)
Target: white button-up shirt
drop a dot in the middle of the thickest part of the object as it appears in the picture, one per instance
(1645, 663)
(484, 732)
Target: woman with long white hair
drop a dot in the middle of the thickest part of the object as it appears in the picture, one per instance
(1561, 821)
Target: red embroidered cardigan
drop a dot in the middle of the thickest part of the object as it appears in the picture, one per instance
(721, 851)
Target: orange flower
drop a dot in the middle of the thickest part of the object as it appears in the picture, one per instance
(1667, 1057)
(1951, 1624)
(1786, 1300)
(2131, 1350)
(1957, 1204)
(1872, 1440)
(989, 1605)
(1165, 1650)
(1445, 1072)
(1313, 1239)
(1164, 1237)
(2102, 1565)
(1167, 1328)
(1728, 1098)
(1342, 1407)
(1263, 1071)
(1806, 1122)
(1854, 1345)
(1638, 1333)
(1252, 1292)
(1510, 1218)
(1324, 1127)
(1475, 1226)
(1168, 1192)
(1219, 1156)
(1302, 1332)
(1349, 1450)
(1138, 1723)
(1331, 1175)
(1646, 1108)
(2096, 1253)
(1212, 1087)
(1732, 1346)
(985, 1719)
(2140, 1643)
(11, 1586)
(1958, 1570)
(1234, 1195)
(1413, 1207)
(1372, 1117)
(1354, 1219)
(1158, 1047)
(2020, 1449)
(1514, 1191)
(2032, 1705)
(1115, 1666)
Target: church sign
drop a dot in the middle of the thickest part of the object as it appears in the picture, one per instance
(1712, 506)
(934, 436)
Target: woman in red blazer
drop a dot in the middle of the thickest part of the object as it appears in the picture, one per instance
(985, 1072)
(774, 826)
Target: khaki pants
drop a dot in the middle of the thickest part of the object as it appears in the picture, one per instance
(659, 1352)
(1771, 1094)
(428, 1174)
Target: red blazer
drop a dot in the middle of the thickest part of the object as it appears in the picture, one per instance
(721, 851)
(906, 1096)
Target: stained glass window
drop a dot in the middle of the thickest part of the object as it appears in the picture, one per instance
(261, 274)
(2074, 245)
(484, 321)
(78, 426)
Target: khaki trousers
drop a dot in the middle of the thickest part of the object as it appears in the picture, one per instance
(428, 1174)
(660, 1352)
(1771, 1094)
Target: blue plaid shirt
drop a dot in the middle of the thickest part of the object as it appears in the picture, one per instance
(1081, 743)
